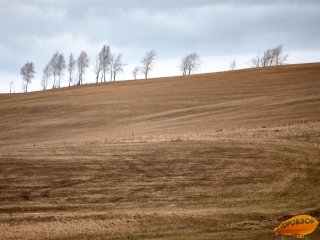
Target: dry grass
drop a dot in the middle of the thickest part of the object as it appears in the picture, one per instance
(216, 156)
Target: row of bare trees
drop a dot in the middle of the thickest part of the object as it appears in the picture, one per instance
(56, 66)
(106, 62)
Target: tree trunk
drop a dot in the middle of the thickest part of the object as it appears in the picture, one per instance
(54, 81)
(97, 78)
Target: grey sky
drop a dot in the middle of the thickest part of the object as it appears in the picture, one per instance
(219, 31)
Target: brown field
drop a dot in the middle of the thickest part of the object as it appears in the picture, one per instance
(225, 155)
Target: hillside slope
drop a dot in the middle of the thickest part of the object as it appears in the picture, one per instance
(213, 156)
(244, 98)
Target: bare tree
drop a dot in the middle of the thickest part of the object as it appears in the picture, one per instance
(135, 72)
(116, 66)
(11, 87)
(233, 65)
(184, 65)
(147, 62)
(194, 62)
(256, 61)
(54, 67)
(111, 66)
(190, 63)
(45, 77)
(82, 64)
(27, 73)
(97, 70)
(61, 65)
(71, 67)
(104, 61)
(270, 57)
(279, 56)
(267, 58)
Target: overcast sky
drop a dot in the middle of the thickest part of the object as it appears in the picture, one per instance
(218, 30)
